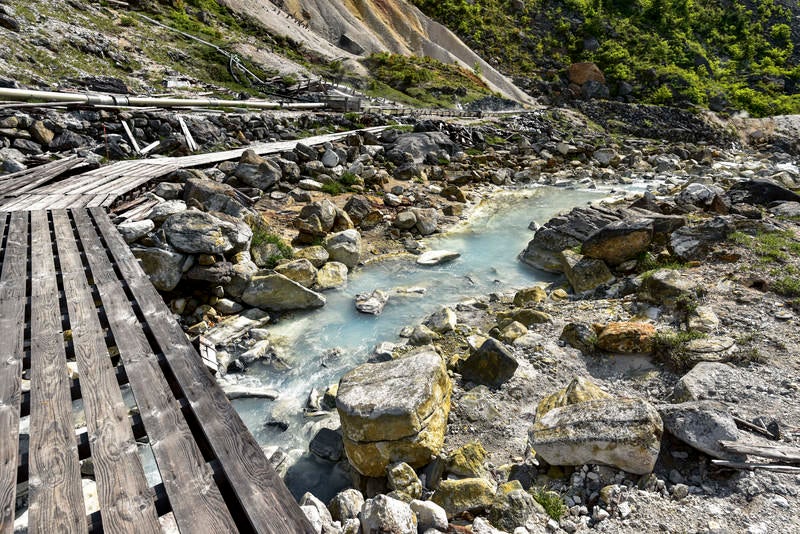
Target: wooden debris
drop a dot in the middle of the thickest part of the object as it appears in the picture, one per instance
(775, 468)
(131, 137)
(773, 452)
(188, 135)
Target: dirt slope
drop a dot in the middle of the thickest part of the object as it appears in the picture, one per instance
(351, 28)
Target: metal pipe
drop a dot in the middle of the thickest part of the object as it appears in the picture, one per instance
(96, 99)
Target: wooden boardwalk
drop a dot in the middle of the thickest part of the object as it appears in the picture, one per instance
(40, 188)
(72, 294)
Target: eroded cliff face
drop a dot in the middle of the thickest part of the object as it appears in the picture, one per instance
(351, 29)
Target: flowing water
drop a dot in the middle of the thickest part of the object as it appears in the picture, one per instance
(321, 345)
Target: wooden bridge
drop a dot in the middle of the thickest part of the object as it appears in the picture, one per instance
(85, 336)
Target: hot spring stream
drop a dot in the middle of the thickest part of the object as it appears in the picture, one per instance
(321, 345)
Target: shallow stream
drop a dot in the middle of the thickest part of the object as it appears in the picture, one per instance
(321, 345)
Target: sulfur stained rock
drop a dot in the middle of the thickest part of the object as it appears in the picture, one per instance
(394, 411)
(627, 337)
(625, 433)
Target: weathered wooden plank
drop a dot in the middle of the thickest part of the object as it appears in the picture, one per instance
(775, 468)
(196, 501)
(126, 503)
(56, 497)
(40, 175)
(15, 203)
(12, 325)
(773, 452)
(264, 498)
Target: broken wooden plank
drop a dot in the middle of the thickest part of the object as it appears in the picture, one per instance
(131, 137)
(188, 135)
(773, 452)
(775, 468)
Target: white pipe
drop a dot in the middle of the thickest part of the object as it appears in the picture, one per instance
(96, 99)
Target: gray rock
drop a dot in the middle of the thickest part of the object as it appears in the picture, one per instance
(134, 230)
(346, 505)
(358, 207)
(786, 209)
(442, 321)
(619, 241)
(197, 232)
(403, 480)
(394, 411)
(435, 257)
(330, 158)
(309, 185)
(708, 380)
(278, 293)
(344, 247)
(429, 515)
(701, 425)
(261, 176)
(301, 271)
(584, 273)
(695, 242)
(316, 254)
(161, 211)
(427, 220)
(492, 364)
(371, 303)
(331, 276)
(327, 444)
(625, 433)
(169, 190)
(512, 506)
(761, 192)
(706, 197)
(667, 286)
(419, 144)
(228, 307)
(325, 211)
(163, 267)
(387, 515)
(422, 335)
(217, 273)
(405, 220)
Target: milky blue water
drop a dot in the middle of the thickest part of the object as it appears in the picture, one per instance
(322, 345)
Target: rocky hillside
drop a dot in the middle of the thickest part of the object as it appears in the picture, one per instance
(235, 47)
(723, 54)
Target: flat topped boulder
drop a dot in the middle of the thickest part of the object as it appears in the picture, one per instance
(276, 292)
(391, 400)
(197, 232)
(619, 241)
(435, 257)
(625, 433)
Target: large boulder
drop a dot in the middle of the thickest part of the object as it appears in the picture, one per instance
(624, 433)
(344, 247)
(163, 267)
(261, 176)
(761, 192)
(626, 337)
(134, 230)
(492, 364)
(580, 73)
(584, 273)
(563, 232)
(619, 241)
(301, 271)
(276, 292)
(387, 515)
(330, 276)
(427, 220)
(394, 411)
(709, 380)
(701, 425)
(420, 144)
(579, 390)
(197, 232)
(473, 495)
(666, 287)
(695, 242)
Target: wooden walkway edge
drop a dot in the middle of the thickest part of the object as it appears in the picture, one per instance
(72, 294)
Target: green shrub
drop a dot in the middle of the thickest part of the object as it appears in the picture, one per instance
(551, 501)
(333, 188)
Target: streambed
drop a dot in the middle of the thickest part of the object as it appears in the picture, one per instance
(321, 345)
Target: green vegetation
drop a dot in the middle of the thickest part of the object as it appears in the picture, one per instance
(262, 236)
(647, 264)
(771, 246)
(670, 346)
(682, 52)
(333, 188)
(422, 81)
(551, 501)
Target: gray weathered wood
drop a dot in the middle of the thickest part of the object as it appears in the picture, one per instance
(775, 468)
(773, 452)
(263, 496)
(126, 503)
(56, 497)
(196, 501)
(13, 279)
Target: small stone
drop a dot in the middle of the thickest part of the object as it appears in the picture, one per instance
(429, 515)
(492, 364)
(346, 505)
(403, 478)
(680, 491)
